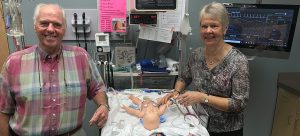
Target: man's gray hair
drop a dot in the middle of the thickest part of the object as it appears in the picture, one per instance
(40, 5)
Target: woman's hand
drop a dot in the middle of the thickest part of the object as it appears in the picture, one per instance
(168, 96)
(190, 97)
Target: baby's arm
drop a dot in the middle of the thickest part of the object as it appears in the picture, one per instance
(162, 108)
(133, 112)
(135, 100)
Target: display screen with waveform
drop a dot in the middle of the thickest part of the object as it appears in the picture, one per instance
(262, 26)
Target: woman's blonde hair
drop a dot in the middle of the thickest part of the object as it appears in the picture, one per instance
(215, 10)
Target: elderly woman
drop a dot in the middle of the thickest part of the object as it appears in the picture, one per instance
(217, 75)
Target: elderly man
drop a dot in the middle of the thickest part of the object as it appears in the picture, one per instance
(43, 89)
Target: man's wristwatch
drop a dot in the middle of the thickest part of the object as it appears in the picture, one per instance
(107, 106)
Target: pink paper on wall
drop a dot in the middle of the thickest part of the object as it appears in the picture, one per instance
(112, 15)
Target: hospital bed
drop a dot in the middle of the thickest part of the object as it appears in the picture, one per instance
(175, 122)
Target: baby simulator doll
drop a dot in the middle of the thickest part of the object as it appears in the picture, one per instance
(149, 111)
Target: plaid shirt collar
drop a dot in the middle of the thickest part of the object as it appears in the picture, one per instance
(46, 57)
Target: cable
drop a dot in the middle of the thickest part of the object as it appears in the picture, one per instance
(84, 31)
(136, 44)
(23, 42)
(112, 75)
(104, 73)
(131, 77)
(175, 102)
(108, 69)
(76, 29)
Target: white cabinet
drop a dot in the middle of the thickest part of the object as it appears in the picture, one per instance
(287, 112)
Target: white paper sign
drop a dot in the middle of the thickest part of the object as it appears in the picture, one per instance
(155, 34)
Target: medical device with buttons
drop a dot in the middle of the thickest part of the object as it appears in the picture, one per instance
(142, 18)
(102, 42)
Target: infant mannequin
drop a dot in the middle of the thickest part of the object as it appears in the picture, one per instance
(149, 111)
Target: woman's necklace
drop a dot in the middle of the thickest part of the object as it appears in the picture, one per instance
(211, 61)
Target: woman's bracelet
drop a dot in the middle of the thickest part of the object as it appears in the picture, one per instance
(177, 91)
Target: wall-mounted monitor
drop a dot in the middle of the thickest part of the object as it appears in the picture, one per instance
(153, 5)
(265, 30)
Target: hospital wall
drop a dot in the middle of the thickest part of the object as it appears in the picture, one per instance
(263, 70)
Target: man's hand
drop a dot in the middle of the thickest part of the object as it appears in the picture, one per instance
(100, 117)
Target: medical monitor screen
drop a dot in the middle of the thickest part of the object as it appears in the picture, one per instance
(261, 26)
(155, 4)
